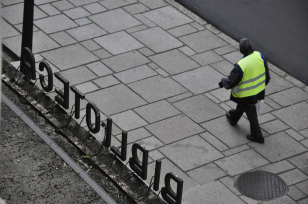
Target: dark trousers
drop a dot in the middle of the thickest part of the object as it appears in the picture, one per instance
(251, 113)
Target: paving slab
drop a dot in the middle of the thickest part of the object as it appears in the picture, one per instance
(155, 155)
(223, 67)
(99, 69)
(154, 4)
(157, 111)
(182, 30)
(174, 62)
(281, 200)
(232, 136)
(90, 45)
(294, 134)
(224, 50)
(38, 2)
(167, 17)
(278, 167)
(191, 153)
(135, 135)
(229, 183)
(300, 161)
(70, 56)
(200, 108)
(157, 39)
(233, 57)
(63, 38)
(147, 88)
(274, 126)
(303, 186)
(304, 132)
(10, 2)
(221, 94)
(76, 76)
(13, 15)
(166, 167)
(180, 97)
(295, 193)
(7, 30)
(102, 53)
(87, 87)
(277, 84)
(115, 99)
(202, 41)
(128, 120)
(114, 20)
(118, 43)
(81, 2)
(78, 12)
(52, 25)
(83, 21)
(63, 5)
(187, 51)
(112, 4)
(249, 160)
(95, 8)
(151, 143)
(125, 61)
(107, 81)
(295, 116)
(289, 96)
(136, 8)
(41, 43)
(292, 177)
(266, 118)
(206, 58)
(206, 173)
(236, 150)
(144, 20)
(86, 32)
(278, 147)
(213, 193)
(194, 80)
(135, 74)
(175, 128)
(214, 141)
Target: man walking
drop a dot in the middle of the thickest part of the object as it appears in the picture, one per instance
(247, 81)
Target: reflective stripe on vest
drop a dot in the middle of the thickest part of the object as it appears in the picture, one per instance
(253, 81)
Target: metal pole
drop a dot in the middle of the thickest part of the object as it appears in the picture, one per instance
(27, 29)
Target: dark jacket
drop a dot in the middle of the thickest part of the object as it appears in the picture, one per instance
(235, 78)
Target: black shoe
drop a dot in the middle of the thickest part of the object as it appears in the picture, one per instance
(232, 122)
(253, 139)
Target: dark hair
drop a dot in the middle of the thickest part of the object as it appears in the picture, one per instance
(245, 46)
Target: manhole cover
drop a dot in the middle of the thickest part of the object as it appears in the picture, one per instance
(261, 185)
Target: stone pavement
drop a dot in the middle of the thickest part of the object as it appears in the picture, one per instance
(154, 67)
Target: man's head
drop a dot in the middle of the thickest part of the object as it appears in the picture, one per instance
(245, 46)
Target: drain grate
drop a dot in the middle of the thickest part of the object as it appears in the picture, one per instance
(261, 185)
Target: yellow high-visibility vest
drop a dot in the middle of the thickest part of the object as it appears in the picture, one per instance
(253, 81)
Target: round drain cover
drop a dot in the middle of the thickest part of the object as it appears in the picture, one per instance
(261, 185)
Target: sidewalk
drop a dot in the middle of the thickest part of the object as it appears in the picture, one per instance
(154, 67)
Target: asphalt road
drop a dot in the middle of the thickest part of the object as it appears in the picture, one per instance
(277, 28)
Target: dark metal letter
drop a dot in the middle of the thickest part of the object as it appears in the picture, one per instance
(123, 152)
(63, 98)
(168, 194)
(78, 96)
(27, 63)
(48, 87)
(141, 169)
(108, 130)
(157, 175)
(97, 126)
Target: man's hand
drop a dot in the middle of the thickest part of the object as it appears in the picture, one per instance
(220, 85)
